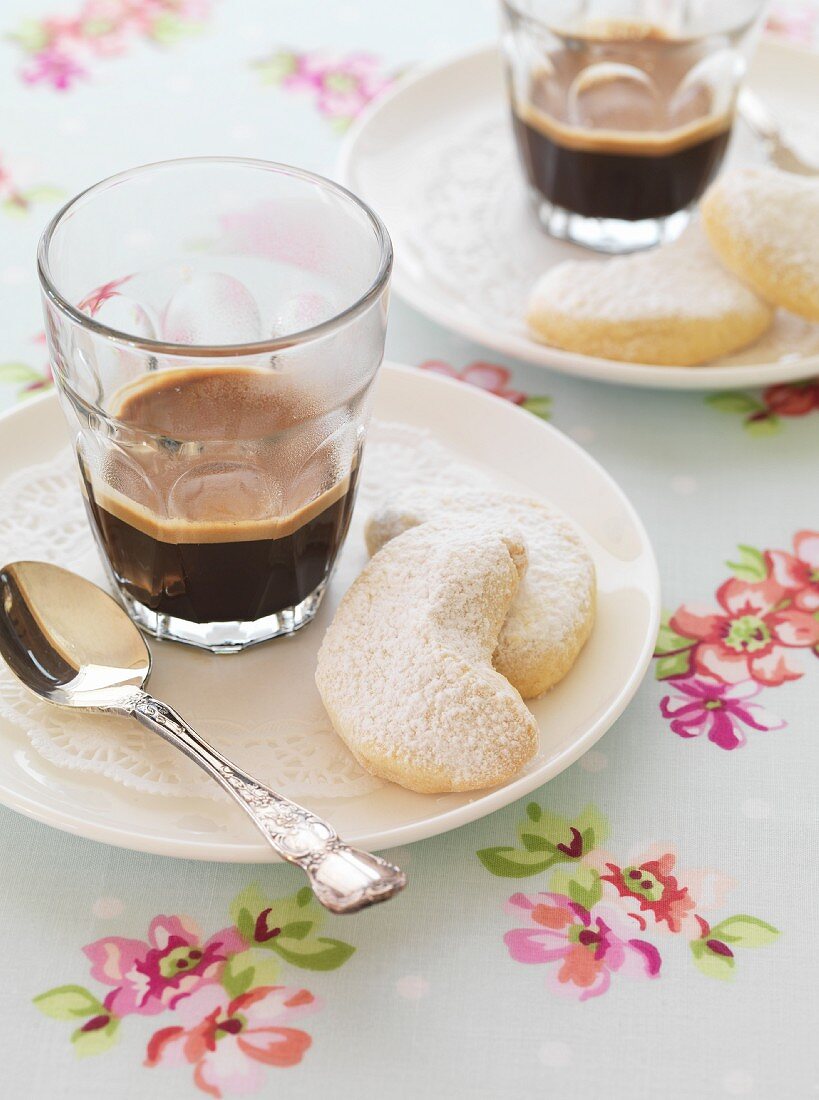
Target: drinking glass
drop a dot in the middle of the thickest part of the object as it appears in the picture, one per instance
(215, 326)
(622, 110)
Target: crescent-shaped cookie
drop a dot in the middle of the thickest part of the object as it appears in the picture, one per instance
(764, 225)
(405, 668)
(552, 614)
(675, 306)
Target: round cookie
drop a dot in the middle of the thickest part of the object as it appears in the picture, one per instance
(762, 223)
(405, 668)
(552, 614)
(674, 306)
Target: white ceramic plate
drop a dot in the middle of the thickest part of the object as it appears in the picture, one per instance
(435, 158)
(482, 430)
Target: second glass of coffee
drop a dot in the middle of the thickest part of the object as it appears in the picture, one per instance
(215, 328)
(622, 110)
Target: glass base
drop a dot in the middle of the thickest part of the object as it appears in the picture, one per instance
(227, 637)
(610, 235)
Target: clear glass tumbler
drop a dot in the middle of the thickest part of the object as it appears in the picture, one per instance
(215, 326)
(622, 110)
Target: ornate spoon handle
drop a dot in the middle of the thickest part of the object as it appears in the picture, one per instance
(343, 878)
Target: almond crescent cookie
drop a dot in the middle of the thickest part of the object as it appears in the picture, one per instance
(405, 669)
(552, 614)
(674, 306)
(764, 225)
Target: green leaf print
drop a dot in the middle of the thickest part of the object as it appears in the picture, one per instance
(744, 931)
(69, 1002)
(712, 963)
(676, 664)
(250, 968)
(545, 841)
(581, 884)
(288, 926)
(318, 953)
(763, 425)
(741, 403)
(750, 566)
(668, 640)
(16, 373)
(508, 862)
(672, 651)
(539, 406)
(96, 1036)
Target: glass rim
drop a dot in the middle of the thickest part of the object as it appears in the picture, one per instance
(259, 347)
(520, 10)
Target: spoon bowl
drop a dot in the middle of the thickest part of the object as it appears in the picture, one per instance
(68, 641)
(72, 644)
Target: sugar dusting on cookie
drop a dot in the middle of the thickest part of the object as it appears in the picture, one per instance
(405, 668)
(677, 305)
(762, 223)
(552, 613)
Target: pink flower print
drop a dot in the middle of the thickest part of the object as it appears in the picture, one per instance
(92, 302)
(486, 376)
(702, 705)
(230, 1042)
(341, 86)
(798, 22)
(150, 977)
(750, 636)
(60, 48)
(798, 573)
(53, 65)
(588, 946)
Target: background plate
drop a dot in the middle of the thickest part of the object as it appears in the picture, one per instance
(435, 158)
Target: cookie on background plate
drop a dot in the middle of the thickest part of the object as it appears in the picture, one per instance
(552, 613)
(764, 225)
(405, 668)
(674, 306)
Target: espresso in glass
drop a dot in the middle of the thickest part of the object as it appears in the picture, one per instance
(209, 513)
(215, 327)
(621, 124)
(632, 172)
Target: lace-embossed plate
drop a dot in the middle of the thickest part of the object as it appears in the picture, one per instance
(106, 779)
(435, 158)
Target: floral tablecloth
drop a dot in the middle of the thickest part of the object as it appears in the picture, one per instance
(641, 926)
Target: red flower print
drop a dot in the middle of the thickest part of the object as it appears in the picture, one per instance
(653, 889)
(792, 398)
(150, 977)
(722, 711)
(589, 945)
(230, 1042)
(798, 573)
(486, 376)
(751, 636)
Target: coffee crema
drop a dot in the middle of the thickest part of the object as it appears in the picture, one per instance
(233, 509)
(612, 129)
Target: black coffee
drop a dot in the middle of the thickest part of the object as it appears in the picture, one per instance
(615, 130)
(629, 184)
(234, 530)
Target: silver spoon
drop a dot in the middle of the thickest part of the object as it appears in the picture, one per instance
(72, 644)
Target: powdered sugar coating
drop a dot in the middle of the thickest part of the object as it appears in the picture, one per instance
(552, 613)
(762, 223)
(676, 305)
(405, 668)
